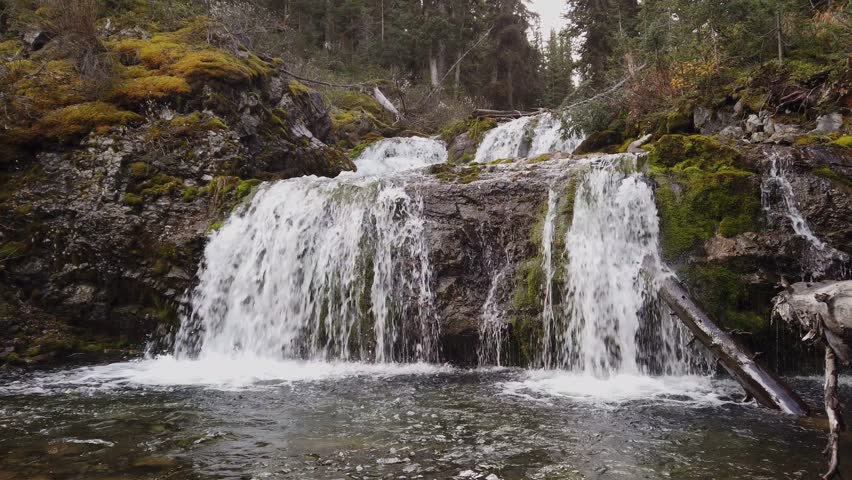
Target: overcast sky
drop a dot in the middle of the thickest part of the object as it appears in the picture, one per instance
(551, 14)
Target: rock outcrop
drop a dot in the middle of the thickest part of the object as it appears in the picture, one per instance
(106, 236)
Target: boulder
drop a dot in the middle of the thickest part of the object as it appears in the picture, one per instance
(828, 124)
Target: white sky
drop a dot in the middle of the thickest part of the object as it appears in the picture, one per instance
(551, 14)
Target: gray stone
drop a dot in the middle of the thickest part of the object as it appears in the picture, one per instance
(828, 124)
(733, 132)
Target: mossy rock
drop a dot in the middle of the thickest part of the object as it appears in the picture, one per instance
(79, 120)
(687, 151)
(733, 303)
(476, 129)
(607, 141)
(160, 87)
(827, 172)
(845, 142)
(701, 193)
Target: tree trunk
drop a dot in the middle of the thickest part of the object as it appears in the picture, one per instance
(769, 390)
(779, 37)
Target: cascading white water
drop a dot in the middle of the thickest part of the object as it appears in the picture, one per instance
(397, 154)
(611, 319)
(322, 268)
(548, 137)
(548, 317)
(492, 324)
(526, 137)
(819, 256)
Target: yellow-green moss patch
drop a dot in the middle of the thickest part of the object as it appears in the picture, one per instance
(151, 88)
(78, 120)
(218, 65)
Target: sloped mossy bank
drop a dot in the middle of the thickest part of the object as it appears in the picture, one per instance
(717, 236)
(107, 192)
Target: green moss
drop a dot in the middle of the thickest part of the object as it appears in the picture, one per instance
(352, 101)
(159, 87)
(685, 151)
(215, 226)
(10, 48)
(24, 209)
(459, 174)
(466, 158)
(541, 158)
(734, 304)
(141, 170)
(298, 88)
(812, 140)
(12, 250)
(678, 122)
(190, 194)
(132, 199)
(845, 141)
(244, 188)
(78, 120)
(827, 172)
(529, 285)
(694, 207)
(160, 185)
(207, 65)
(368, 140)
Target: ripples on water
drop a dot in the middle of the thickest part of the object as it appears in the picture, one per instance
(259, 419)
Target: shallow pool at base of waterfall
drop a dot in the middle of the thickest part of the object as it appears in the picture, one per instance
(221, 418)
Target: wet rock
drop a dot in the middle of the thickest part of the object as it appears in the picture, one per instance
(462, 149)
(733, 132)
(828, 124)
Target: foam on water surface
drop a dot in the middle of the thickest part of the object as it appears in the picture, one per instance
(556, 385)
(218, 372)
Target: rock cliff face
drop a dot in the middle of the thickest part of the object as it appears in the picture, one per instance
(100, 241)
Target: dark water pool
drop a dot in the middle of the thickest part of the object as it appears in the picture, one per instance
(393, 422)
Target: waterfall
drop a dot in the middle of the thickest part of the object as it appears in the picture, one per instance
(611, 321)
(322, 268)
(526, 137)
(779, 199)
(547, 316)
(492, 323)
(396, 154)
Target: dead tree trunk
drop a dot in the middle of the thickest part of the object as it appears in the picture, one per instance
(769, 390)
(824, 311)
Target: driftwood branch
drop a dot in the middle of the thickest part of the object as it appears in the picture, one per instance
(500, 114)
(824, 311)
(764, 386)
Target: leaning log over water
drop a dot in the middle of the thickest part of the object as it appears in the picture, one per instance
(824, 311)
(769, 390)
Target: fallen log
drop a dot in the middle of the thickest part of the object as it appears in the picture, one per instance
(764, 386)
(824, 311)
(503, 114)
